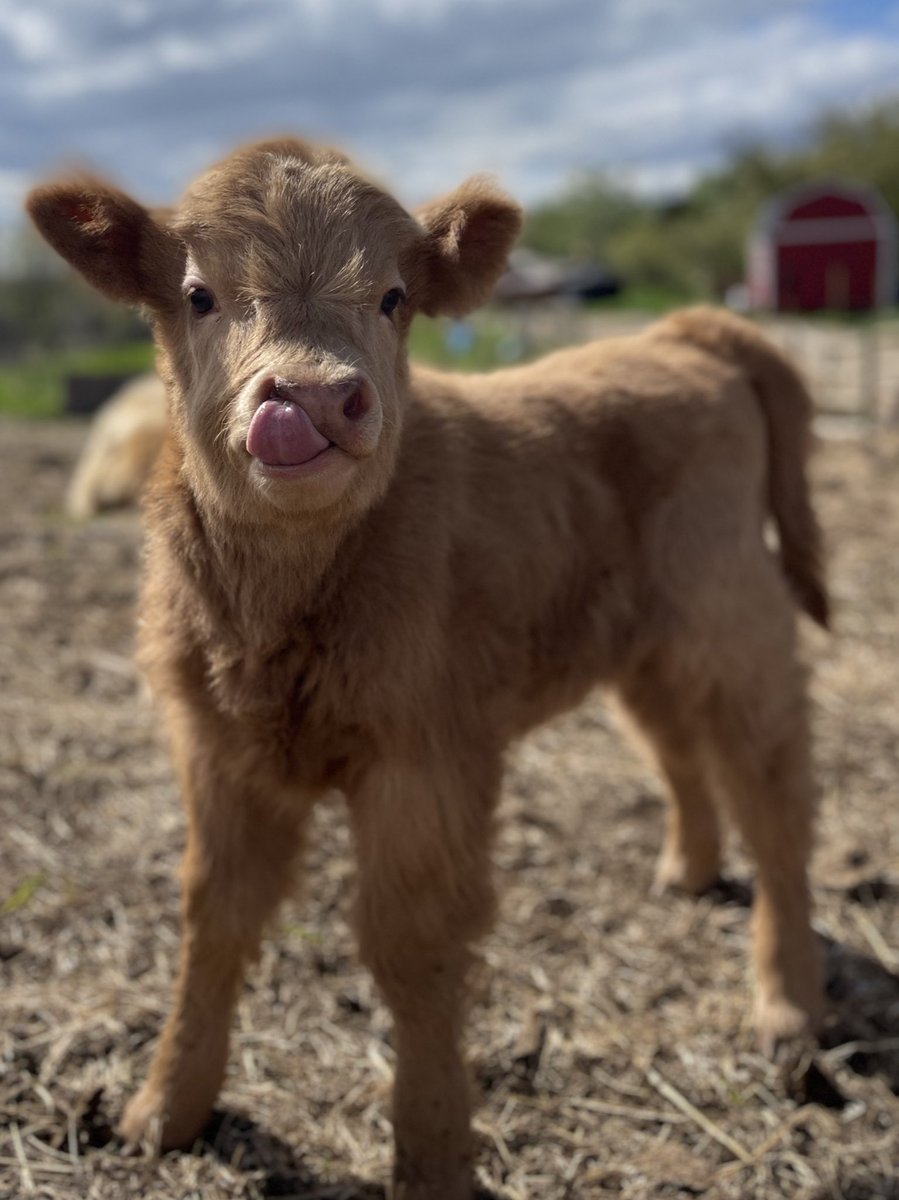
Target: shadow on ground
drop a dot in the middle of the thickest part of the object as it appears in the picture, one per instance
(864, 996)
(244, 1144)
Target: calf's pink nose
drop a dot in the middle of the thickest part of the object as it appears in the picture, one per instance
(324, 401)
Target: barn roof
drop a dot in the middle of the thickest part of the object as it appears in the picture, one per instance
(778, 208)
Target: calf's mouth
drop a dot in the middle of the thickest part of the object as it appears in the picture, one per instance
(298, 426)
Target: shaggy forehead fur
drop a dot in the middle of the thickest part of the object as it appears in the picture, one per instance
(285, 218)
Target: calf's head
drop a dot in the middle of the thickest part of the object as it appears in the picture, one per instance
(281, 289)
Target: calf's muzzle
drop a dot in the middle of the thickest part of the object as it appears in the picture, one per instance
(297, 420)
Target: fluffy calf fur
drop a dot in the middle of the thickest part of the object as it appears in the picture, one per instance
(124, 440)
(427, 567)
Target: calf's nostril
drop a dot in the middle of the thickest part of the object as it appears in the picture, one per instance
(355, 406)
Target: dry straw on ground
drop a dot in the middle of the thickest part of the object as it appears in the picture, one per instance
(610, 1042)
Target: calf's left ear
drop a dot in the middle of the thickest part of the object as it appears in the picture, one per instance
(111, 240)
(468, 236)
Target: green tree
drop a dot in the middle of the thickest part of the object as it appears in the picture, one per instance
(696, 247)
(584, 220)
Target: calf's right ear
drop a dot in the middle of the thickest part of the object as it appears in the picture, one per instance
(111, 240)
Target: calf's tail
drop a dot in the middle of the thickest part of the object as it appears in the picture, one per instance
(787, 408)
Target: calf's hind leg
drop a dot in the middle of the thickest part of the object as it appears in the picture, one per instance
(759, 740)
(242, 843)
(691, 855)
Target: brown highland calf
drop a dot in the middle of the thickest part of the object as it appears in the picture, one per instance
(372, 579)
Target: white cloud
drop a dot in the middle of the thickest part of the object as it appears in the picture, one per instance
(33, 34)
(426, 91)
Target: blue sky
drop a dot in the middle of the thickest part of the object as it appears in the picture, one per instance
(863, 14)
(425, 92)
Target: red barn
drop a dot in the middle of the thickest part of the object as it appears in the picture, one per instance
(826, 244)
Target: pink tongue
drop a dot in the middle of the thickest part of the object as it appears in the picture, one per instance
(282, 435)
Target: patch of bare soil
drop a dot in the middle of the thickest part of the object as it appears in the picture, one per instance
(610, 1043)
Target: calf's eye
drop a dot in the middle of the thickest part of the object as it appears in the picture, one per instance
(391, 301)
(201, 300)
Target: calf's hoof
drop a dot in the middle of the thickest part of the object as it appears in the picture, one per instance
(431, 1191)
(785, 1029)
(152, 1120)
(676, 873)
(441, 1185)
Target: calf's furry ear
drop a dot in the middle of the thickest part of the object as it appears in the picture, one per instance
(468, 236)
(111, 240)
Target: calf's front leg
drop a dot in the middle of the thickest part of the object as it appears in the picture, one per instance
(424, 895)
(243, 839)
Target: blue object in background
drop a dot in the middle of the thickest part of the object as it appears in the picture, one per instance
(459, 338)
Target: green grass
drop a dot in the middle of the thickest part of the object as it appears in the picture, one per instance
(487, 342)
(23, 893)
(35, 386)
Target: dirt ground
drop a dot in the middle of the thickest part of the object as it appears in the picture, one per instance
(611, 1049)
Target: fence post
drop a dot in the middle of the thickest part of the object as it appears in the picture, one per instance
(869, 371)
